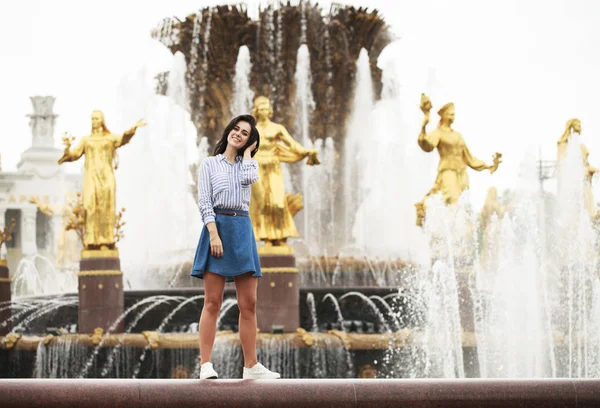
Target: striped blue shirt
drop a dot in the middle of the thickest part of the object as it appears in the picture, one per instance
(225, 185)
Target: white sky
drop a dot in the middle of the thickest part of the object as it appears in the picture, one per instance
(516, 69)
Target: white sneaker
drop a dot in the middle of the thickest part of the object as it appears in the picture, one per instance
(207, 372)
(259, 372)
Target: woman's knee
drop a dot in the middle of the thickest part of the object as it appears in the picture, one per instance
(247, 304)
(212, 305)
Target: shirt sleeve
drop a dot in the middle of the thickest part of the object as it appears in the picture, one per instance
(205, 198)
(249, 172)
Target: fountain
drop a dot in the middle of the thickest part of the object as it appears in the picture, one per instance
(430, 302)
(357, 147)
(168, 146)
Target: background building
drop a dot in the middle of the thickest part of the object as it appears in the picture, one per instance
(36, 195)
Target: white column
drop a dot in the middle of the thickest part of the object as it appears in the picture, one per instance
(52, 234)
(28, 237)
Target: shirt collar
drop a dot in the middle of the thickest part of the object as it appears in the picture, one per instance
(222, 157)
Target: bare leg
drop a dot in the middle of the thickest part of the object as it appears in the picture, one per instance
(245, 286)
(213, 298)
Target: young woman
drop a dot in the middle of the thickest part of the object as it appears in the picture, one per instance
(227, 249)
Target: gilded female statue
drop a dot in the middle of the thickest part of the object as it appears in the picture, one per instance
(272, 217)
(574, 126)
(490, 208)
(67, 245)
(99, 186)
(452, 179)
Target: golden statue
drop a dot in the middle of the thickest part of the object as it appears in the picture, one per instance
(67, 245)
(75, 221)
(574, 126)
(271, 210)
(452, 179)
(99, 186)
(490, 208)
(6, 236)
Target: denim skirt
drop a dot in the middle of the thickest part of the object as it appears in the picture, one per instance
(240, 255)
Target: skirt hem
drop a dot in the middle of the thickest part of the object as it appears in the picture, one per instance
(228, 278)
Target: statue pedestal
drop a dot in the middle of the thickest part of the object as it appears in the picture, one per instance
(5, 314)
(278, 293)
(101, 299)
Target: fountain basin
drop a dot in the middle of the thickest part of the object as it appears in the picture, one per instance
(150, 354)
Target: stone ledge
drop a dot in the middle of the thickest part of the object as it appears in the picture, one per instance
(331, 393)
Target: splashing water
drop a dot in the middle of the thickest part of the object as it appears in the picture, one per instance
(356, 147)
(161, 236)
(306, 105)
(377, 227)
(242, 93)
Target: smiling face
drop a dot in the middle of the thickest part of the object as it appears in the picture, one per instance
(239, 135)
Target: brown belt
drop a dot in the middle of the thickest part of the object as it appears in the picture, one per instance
(231, 214)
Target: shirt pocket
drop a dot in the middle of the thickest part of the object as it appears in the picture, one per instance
(219, 182)
(246, 193)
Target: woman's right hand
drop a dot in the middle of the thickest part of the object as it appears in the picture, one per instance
(249, 150)
(216, 246)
